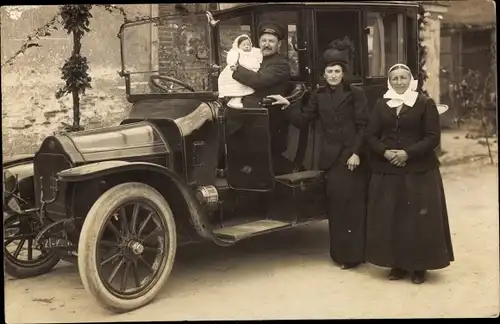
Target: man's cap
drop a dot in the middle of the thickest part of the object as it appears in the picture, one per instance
(271, 28)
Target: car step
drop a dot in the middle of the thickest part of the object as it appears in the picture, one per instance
(242, 231)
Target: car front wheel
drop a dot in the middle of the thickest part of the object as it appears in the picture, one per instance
(127, 246)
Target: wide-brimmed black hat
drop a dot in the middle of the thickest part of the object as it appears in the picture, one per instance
(271, 28)
(338, 52)
(333, 56)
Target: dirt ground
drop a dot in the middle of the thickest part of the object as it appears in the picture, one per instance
(288, 275)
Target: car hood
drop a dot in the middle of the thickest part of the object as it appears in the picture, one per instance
(119, 142)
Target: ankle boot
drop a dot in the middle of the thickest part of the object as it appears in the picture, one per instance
(397, 273)
(418, 277)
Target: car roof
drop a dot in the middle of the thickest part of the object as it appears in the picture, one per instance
(257, 5)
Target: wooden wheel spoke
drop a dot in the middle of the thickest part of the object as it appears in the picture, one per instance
(143, 224)
(113, 228)
(30, 249)
(8, 241)
(135, 214)
(124, 221)
(137, 280)
(110, 258)
(19, 248)
(150, 249)
(115, 270)
(154, 232)
(146, 264)
(109, 243)
(123, 285)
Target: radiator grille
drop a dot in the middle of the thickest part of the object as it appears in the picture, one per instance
(45, 168)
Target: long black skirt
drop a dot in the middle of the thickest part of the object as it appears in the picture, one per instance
(407, 221)
(346, 207)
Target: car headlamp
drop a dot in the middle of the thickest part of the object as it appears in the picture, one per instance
(9, 183)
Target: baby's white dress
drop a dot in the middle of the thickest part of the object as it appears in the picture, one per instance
(229, 87)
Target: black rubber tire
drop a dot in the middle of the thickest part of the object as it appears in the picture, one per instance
(87, 247)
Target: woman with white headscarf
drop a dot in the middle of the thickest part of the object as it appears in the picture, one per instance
(407, 220)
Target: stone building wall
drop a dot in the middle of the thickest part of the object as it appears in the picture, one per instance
(30, 110)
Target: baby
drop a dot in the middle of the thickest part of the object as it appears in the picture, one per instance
(245, 55)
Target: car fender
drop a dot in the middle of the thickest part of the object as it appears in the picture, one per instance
(17, 159)
(97, 170)
(18, 172)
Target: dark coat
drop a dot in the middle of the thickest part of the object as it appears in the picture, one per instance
(343, 117)
(416, 130)
(272, 78)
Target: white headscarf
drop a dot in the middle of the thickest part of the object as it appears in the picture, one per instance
(409, 97)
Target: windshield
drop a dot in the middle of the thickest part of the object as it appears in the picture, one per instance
(167, 55)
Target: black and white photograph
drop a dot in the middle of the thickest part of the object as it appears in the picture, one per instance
(250, 161)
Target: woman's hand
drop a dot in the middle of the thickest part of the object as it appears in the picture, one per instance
(401, 156)
(398, 157)
(395, 157)
(353, 162)
(280, 100)
(389, 155)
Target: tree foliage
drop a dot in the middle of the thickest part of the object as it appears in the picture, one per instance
(422, 49)
(474, 96)
(75, 19)
(75, 69)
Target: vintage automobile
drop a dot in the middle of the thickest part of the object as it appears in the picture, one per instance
(118, 201)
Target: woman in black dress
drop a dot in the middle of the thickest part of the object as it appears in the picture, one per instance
(342, 111)
(407, 220)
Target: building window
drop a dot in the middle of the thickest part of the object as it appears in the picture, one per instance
(386, 42)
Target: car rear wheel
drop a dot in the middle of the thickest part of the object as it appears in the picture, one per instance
(127, 246)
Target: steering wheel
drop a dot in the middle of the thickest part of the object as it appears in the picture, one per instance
(298, 91)
(158, 82)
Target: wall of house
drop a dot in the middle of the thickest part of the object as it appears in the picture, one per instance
(30, 110)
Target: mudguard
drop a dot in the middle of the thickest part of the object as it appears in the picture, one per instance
(18, 174)
(95, 170)
(17, 159)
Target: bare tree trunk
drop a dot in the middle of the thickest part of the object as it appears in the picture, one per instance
(77, 45)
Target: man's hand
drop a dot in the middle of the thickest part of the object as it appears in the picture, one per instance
(353, 162)
(233, 67)
(280, 100)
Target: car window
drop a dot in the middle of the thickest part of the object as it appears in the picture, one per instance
(169, 47)
(334, 25)
(386, 42)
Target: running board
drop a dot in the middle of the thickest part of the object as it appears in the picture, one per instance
(242, 231)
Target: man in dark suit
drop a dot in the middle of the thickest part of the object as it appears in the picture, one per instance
(272, 78)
